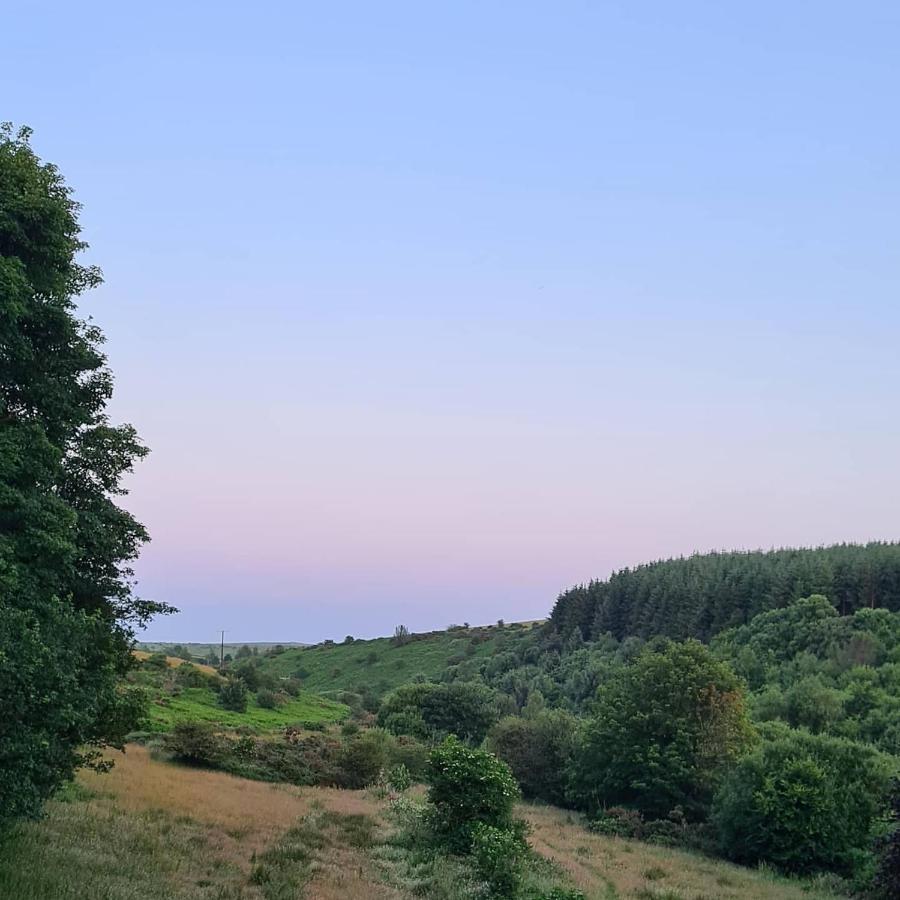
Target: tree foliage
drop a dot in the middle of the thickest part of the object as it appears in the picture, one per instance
(538, 751)
(468, 787)
(701, 595)
(435, 710)
(662, 732)
(803, 803)
(66, 606)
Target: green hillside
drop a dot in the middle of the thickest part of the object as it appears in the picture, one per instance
(201, 705)
(376, 666)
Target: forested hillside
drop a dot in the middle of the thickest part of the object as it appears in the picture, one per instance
(701, 595)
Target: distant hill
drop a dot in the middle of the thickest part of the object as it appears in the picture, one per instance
(200, 652)
(376, 666)
(701, 595)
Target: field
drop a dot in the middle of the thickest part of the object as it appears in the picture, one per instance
(201, 705)
(379, 665)
(174, 661)
(201, 651)
(151, 830)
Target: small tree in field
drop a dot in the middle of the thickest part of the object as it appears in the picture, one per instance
(401, 636)
(233, 695)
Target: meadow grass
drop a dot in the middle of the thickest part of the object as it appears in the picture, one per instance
(610, 868)
(152, 830)
(380, 665)
(201, 705)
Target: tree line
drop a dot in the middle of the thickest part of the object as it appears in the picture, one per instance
(701, 595)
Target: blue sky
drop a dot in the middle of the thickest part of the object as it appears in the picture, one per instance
(428, 311)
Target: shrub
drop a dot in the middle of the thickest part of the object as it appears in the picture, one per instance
(803, 803)
(467, 787)
(189, 676)
(539, 752)
(398, 778)
(498, 854)
(401, 636)
(434, 710)
(157, 661)
(267, 699)
(196, 743)
(619, 822)
(233, 695)
(407, 751)
(362, 758)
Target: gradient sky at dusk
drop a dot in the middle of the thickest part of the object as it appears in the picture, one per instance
(430, 310)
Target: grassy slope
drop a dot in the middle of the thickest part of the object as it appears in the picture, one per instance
(174, 661)
(201, 705)
(348, 667)
(153, 830)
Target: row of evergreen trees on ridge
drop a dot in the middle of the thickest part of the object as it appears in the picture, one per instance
(701, 595)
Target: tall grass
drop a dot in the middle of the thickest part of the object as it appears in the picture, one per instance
(151, 830)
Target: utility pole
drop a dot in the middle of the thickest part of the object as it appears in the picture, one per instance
(222, 653)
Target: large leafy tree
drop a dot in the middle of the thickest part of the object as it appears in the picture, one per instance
(67, 611)
(803, 802)
(664, 729)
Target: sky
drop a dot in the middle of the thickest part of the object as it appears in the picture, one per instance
(428, 311)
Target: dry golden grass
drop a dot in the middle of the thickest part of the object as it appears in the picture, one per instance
(245, 815)
(153, 829)
(175, 661)
(606, 867)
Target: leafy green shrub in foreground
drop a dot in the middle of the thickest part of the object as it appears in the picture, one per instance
(803, 802)
(468, 787)
(498, 854)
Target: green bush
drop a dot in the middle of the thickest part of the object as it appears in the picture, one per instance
(189, 676)
(398, 778)
(498, 855)
(435, 710)
(467, 787)
(407, 751)
(539, 752)
(196, 743)
(803, 803)
(233, 695)
(266, 699)
(362, 758)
